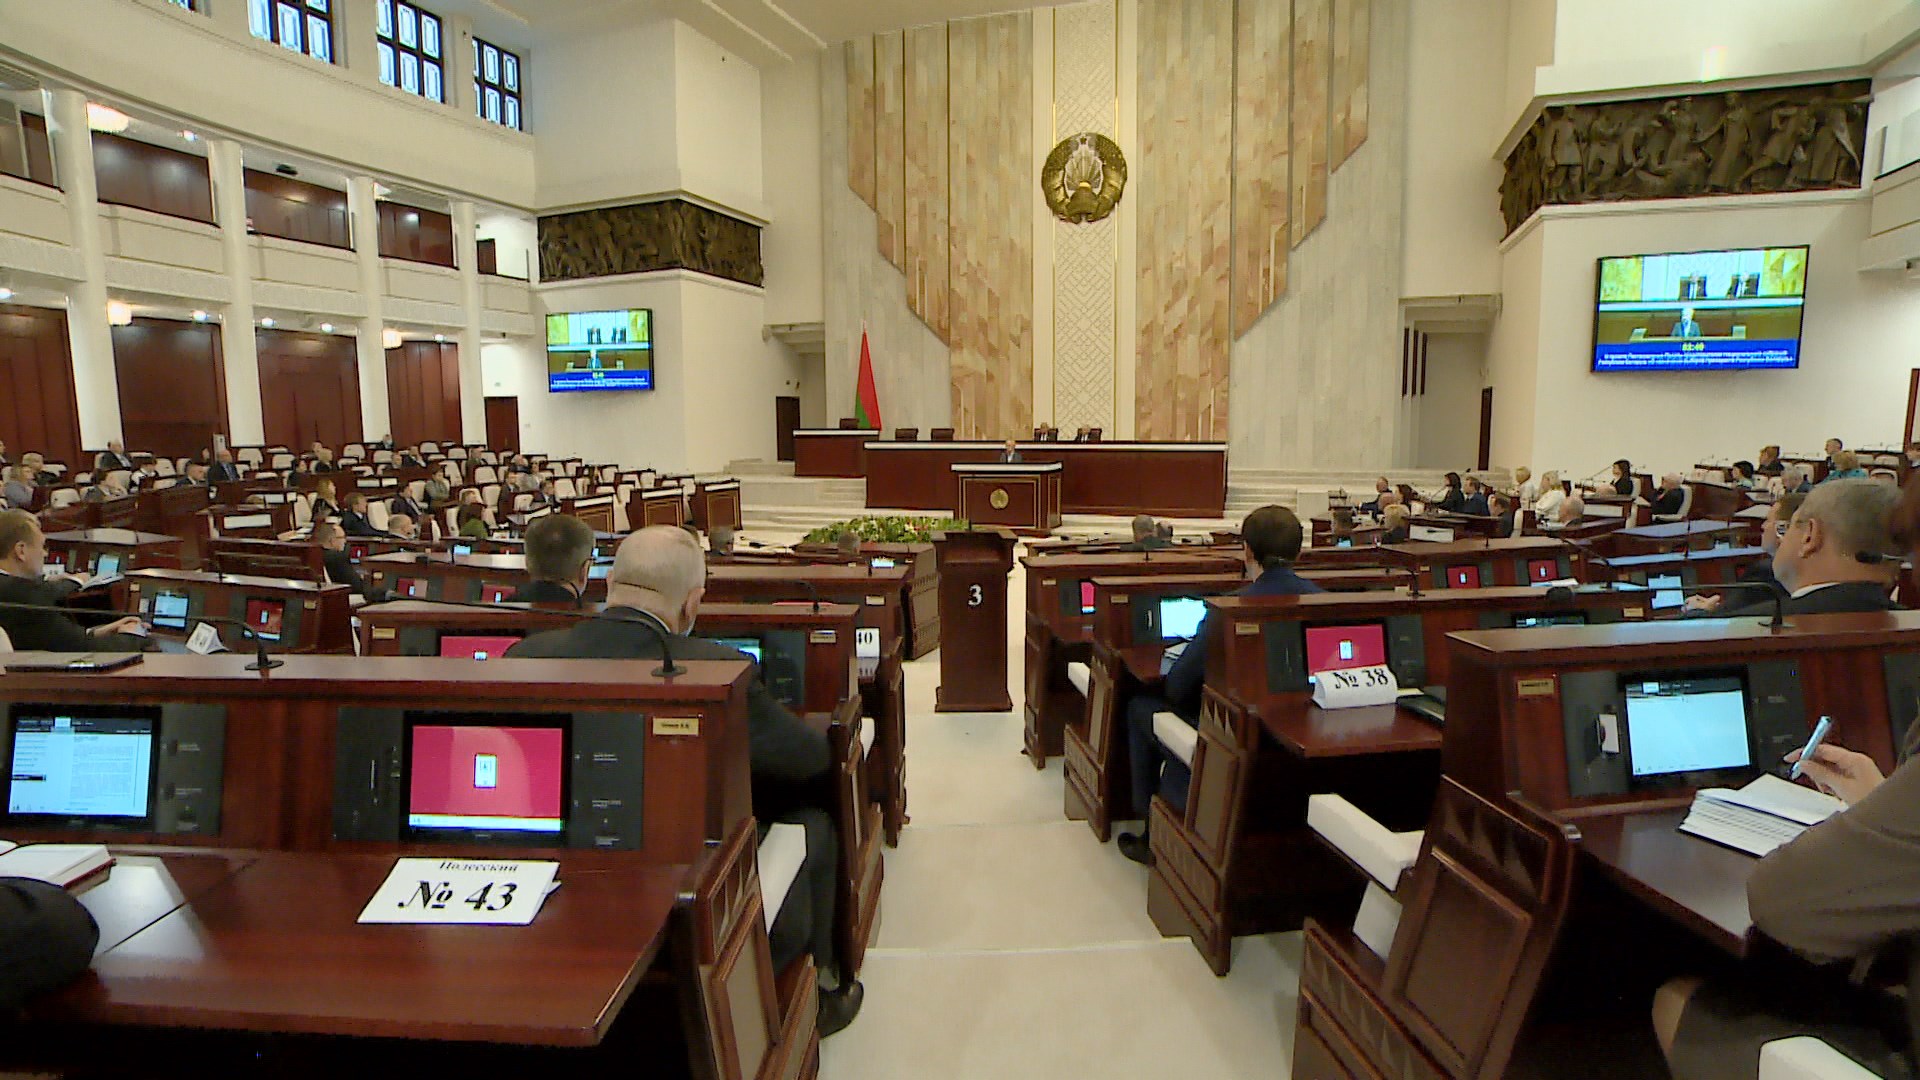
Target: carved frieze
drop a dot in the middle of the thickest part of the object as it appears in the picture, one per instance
(670, 235)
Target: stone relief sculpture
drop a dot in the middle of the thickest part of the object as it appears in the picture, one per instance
(670, 235)
(1740, 142)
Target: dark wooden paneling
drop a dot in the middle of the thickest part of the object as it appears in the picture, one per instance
(296, 210)
(423, 392)
(39, 149)
(503, 423)
(173, 386)
(414, 234)
(487, 255)
(668, 235)
(133, 173)
(37, 407)
(309, 388)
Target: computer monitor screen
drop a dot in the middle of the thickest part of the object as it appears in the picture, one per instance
(1539, 570)
(1338, 648)
(412, 588)
(1463, 577)
(1557, 618)
(82, 766)
(108, 564)
(462, 549)
(882, 564)
(356, 552)
(1668, 591)
(265, 617)
(748, 645)
(599, 571)
(495, 594)
(477, 646)
(1686, 724)
(485, 778)
(170, 609)
(1345, 541)
(1086, 598)
(56, 559)
(1180, 617)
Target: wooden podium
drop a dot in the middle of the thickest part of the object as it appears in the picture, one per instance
(1023, 497)
(973, 620)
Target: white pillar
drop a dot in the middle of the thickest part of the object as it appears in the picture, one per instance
(356, 38)
(238, 343)
(457, 34)
(95, 386)
(375, 418)
(473, 413)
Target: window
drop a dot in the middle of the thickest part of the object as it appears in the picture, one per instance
(410, 49)
(496, 84)
(305, 26)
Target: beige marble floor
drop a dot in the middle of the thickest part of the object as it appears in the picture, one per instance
(1013, 945)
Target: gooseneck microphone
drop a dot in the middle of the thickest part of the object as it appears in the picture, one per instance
(262, 662)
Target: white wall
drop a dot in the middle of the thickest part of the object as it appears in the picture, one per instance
(605, 114)
(1449, 420)
(516, 240)
(716, 102)
(732, 375)
(1513, 351)
(790, 245)
(1454, 120)
(1856, 350)
(633, 428)
(1529, 46)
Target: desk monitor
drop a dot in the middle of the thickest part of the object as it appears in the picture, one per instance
(477, 646)
(115, 768)
(1179, 617)
(495, 594)
(463, 547)
(748, 645)
(1295, 650)
(1086, 598)
(356, 552)
(1540, 571)
(599, 571)
(507, 777)
(1344, 541)
(1463, 576)
(1684, 725)
(411, 588)
(56, 560)
(1669, 591)
(1530, 620)
(168, 608)
(882, 563)
(266, 617)
(1902, 671)
(107, 564)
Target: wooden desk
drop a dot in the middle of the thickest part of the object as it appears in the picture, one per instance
(300, 561)
(146, 884)
(1716, 567)
(1698, 535)
(1514, 561)
(314, 617)
(921, 602)
(1701, 885)
(657, 506)
(1021, 497)
(172, 511)
(247, 522)
(80, 549)
(1173, 479)
(831, 451)
(461, 578)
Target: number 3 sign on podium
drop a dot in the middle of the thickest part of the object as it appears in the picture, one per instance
(973, 620)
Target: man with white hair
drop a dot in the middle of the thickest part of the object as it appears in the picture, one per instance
(1836, 555)
(1146, 534)
(1670, 496)
(658, 578)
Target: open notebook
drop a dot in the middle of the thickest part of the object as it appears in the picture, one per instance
(1759, 817)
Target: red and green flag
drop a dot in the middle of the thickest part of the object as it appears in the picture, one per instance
(866, 404)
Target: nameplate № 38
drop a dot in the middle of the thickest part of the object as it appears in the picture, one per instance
(470, 892)
(1355, 687)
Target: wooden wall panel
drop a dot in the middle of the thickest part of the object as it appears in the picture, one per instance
(25, 151)
(928, 250)
(415, 234)
(860, 106)
(37, 406)
(992, 180)
(1263, 49)
(173, 385)
(1184, 170)
(423, 392)
(309, 388)
(890, 145)
(1312, 56)
(1358, 15)
(133, 173)
(296, 210)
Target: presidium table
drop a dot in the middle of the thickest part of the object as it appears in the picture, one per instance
(1171, 479)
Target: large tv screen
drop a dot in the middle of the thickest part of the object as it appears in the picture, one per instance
(1700, 311)
(600, 350)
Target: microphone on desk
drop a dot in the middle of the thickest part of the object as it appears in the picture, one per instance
(667, 669)
(262, 662)
(814, 593)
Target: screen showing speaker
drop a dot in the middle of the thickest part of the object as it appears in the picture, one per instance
(1700, 311)
(600, 350)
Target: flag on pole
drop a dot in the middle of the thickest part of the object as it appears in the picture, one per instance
(866, 404)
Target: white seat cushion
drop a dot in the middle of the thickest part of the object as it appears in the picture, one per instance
(1080, 676)
(1178, 736)
(781, 852)
(1807, 1058)
(1382, 854)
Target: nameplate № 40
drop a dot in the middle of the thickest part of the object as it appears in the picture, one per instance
(1355, 687)
(469, 892)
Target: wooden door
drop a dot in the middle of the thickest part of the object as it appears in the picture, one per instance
(786, 418)
(37, 406)
(503, 423)
(1913, 408)
(173, 385)
(1486, 428)
(309, 388)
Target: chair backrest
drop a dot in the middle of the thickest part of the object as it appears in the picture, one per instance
(429, 447)
(490, 495)
(564, 488)
(63, 498)
(249, 455)
(1093, 434)
(383, 457)
(942, 434)
(6, 643)
(848, 423)
(302, 509)
(522, 501)
(352, 450)
(163, 466)
(457, 453)
(906, 434)
(484, 474)
(377, 514)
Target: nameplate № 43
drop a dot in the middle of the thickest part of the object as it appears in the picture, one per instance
(470, 892)
(1355, 687)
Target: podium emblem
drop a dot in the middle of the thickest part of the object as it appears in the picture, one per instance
(998, 500)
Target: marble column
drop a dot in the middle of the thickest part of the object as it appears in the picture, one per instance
(96, 388)
(238, 344)
(364, 211)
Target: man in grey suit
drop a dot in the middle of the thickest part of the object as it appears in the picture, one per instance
(1686, 327)
(46, 940)
(659, 575)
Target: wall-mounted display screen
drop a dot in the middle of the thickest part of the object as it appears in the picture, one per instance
(600, 350)
(1700, 311)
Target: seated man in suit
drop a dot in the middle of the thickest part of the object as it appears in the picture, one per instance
(1380, 488)
(323, 460)
(559, 555)
(195, 476)
(223, 470)
(46, 940)
(107, 488)
(1501, 507)
(1010, 453)
(1270, 539)
(340, 569)
(1146, 534)
(410, 458)
(403, 527)
(1772, 531)
(1770, 463)
(114, 458)
(36, 463)
(1476, 498)
(404, 503)
(1670, 495)
(1836, 553)
(354, 519)
(658, 578)
(1570, 511)
(23, 556)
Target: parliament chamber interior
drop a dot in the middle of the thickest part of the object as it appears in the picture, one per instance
(767, 539)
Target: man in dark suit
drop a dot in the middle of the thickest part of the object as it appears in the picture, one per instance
(1501, 507)
(323, 460)
(195, 476)
(410, 458)
(223, 470)
(23, 554)
(46, 940)
(1772, 531)
(1270, 540)
(559, 558)
(340, 569)
(1836, 554)
(1670, 496)
(658, 578)
(114, 458)
(1146, 535)
(1010, 455)
(404, 503)
(354, 519)
(1475, 501)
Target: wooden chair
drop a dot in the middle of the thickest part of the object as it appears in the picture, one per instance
(1093, 434)
(941, 434)
(848, 423)
(906, 434)
(1487, 896)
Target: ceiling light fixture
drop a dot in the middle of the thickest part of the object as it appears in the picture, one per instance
(6, 294)
(199, 316)
(119, 313)
(390, 338)
(439, 337)
(268, 323)
(189, 136)
(106, 118)
(326, 328)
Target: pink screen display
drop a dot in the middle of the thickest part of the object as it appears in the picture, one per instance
(1338, 648)
(1543, 569)
(486, 777)
(495, 594)
(1086, 598)
(476, 647)
(1463, 577)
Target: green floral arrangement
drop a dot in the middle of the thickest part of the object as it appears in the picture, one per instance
(893, 529)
